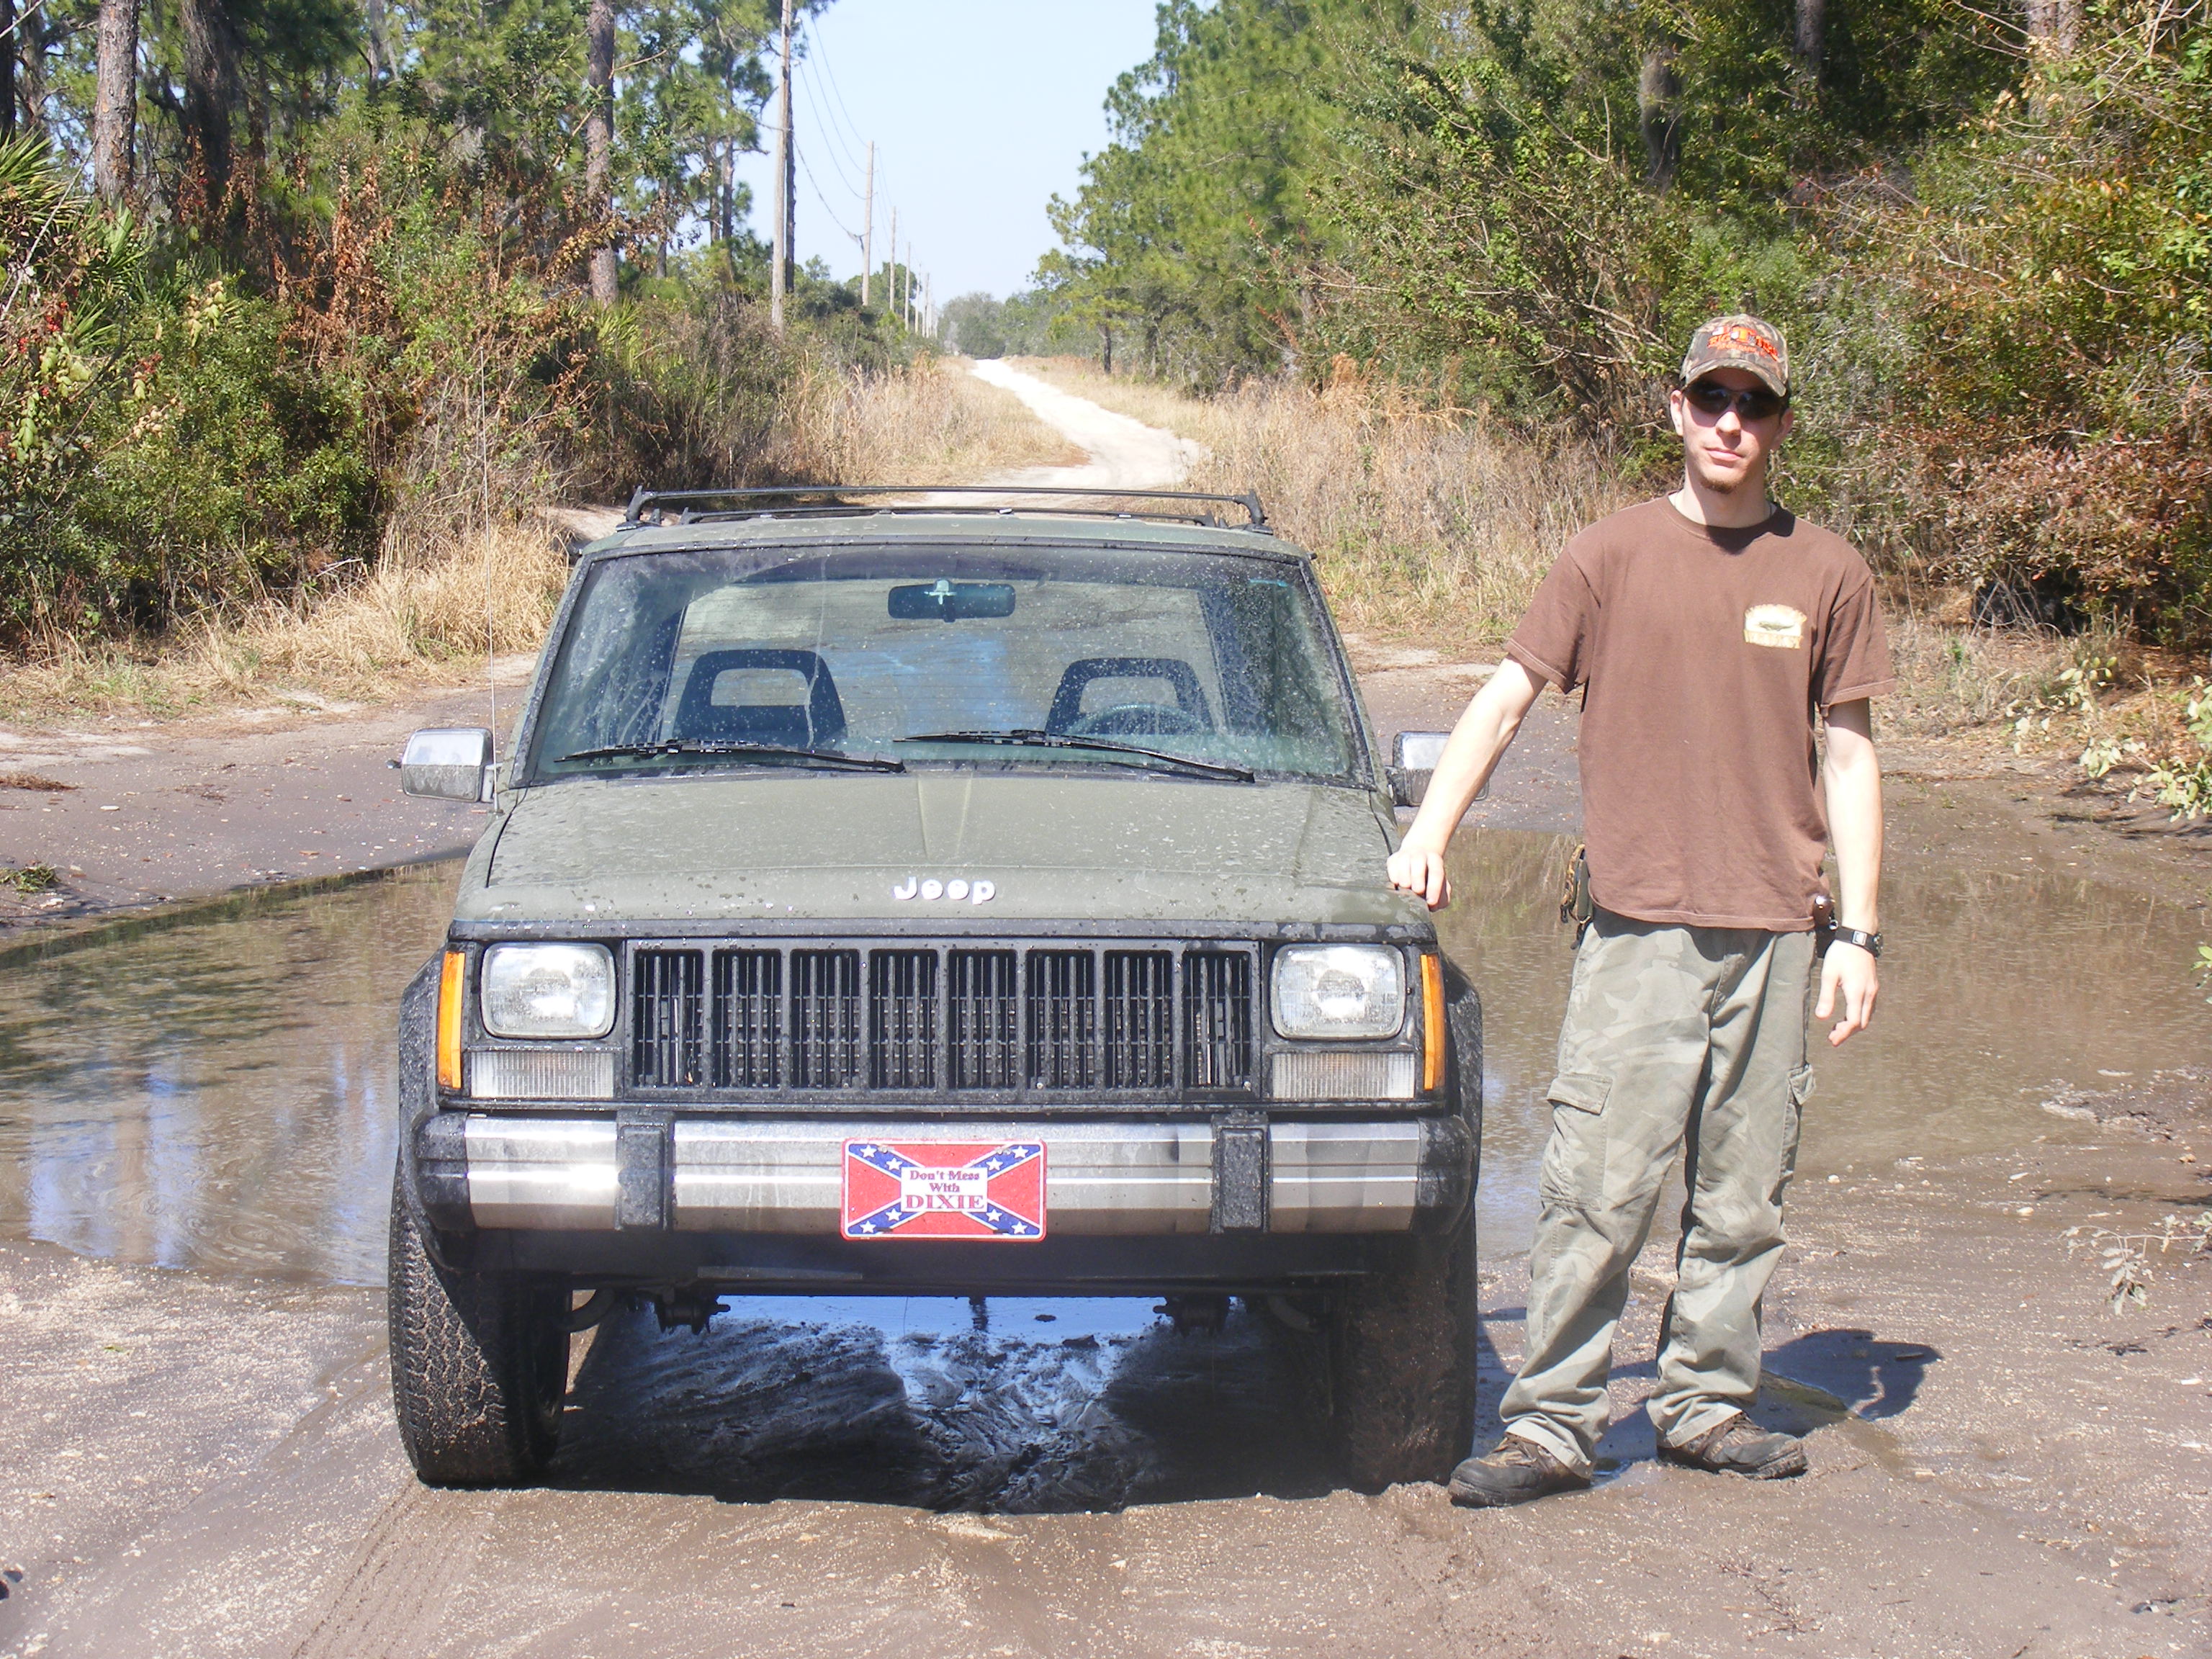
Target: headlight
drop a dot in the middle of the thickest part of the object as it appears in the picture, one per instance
(549, 990)
(1339, 991)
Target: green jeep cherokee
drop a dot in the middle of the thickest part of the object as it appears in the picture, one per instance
(934, 900)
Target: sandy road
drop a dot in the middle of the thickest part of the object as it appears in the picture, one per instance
(1125, 454)
(193, 1464)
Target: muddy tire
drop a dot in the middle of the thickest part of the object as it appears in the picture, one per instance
(1402, 1365)
(1402, 1347)
(479, 1366)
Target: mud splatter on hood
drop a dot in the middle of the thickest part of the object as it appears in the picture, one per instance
(843, 847)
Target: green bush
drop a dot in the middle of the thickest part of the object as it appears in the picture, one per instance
(236, 466)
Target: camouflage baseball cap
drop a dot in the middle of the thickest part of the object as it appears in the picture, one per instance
(1740, 342)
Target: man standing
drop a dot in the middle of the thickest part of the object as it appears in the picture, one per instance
(1709, 630)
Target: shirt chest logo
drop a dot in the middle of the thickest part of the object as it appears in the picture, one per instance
(1777, 626)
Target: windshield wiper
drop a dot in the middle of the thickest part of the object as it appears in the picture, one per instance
(1031, 738)
(760, 752)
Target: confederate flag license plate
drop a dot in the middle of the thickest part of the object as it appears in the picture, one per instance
(944, 1189)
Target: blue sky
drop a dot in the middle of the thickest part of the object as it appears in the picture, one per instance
(981, 110)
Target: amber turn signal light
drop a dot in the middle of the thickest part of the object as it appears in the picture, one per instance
(449, 986)
(1432, 1023)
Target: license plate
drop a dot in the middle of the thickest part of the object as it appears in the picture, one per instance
(944, 1189)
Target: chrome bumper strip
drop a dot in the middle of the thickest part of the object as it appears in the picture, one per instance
(778, 1176)
(1343, 1177)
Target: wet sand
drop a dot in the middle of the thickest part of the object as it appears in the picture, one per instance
(208, 1466)
(146, 815)
(201, 1460)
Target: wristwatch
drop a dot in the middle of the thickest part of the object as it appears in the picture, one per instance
(1870, 942)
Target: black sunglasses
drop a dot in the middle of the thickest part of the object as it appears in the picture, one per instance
(1752, 403)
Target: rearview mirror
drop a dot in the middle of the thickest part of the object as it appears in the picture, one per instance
(1413, 757)
(944, 601)
(447, 763)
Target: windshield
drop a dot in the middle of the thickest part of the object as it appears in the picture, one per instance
(993, 660)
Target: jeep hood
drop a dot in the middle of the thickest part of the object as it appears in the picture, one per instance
(844, 846)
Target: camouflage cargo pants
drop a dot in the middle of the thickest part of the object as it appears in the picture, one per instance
(1673, 1036)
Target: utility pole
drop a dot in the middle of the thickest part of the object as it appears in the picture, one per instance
(868, 235)
(929, 306)
(891, 275)
(780, 267)
(790, 165)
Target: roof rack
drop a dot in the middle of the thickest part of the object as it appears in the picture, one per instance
(691, 506)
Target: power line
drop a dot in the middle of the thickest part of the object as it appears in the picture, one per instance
(836, 94)
(824, 126)
(824, 200)
(829, 127)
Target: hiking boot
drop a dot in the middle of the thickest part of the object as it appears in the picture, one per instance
(1518, 1470)
(1737, 1446)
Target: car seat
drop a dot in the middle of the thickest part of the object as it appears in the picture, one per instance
(1077, 678)
(819, 722)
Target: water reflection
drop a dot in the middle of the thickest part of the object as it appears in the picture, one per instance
(1997, 986)
(219, 1094)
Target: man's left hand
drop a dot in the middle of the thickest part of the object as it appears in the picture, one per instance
(1848, 970)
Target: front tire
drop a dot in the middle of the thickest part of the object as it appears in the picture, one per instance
(1402, 1347)
(1402, 1365)
(479, 1365)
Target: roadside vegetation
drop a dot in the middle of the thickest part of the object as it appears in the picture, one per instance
(451, 588)
(1487, 230)
(309, 309)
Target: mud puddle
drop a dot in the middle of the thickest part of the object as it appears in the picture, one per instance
(218, 1095)
(935, 1405)
(2008, 980)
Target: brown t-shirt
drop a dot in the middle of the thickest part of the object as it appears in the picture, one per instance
(1703, 655)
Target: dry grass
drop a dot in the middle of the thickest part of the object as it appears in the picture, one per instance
(445, 590)
(935, 423)
(1423, 524)
(408, 622)
(1952, 678)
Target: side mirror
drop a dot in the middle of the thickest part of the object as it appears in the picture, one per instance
(1413, 757)
(447, 763)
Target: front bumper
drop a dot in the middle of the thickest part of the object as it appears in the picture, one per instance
(652, 1172)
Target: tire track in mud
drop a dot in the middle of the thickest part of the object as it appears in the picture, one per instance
(390, 1597)
(241, 1556)
(978, 1421)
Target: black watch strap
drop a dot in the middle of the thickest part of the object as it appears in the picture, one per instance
(1870, 942)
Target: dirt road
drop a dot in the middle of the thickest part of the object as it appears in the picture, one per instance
(1125, 455)
(131, 815)
(197, 1454)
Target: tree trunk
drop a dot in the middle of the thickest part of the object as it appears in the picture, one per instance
(600, 141)
(376, 30)
(1812, 37)
(8, 68)
(1659, 115)
(115, 100)
(211, 53)
(2055, 26)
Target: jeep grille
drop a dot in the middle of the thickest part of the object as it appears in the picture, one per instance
(942, 1019)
